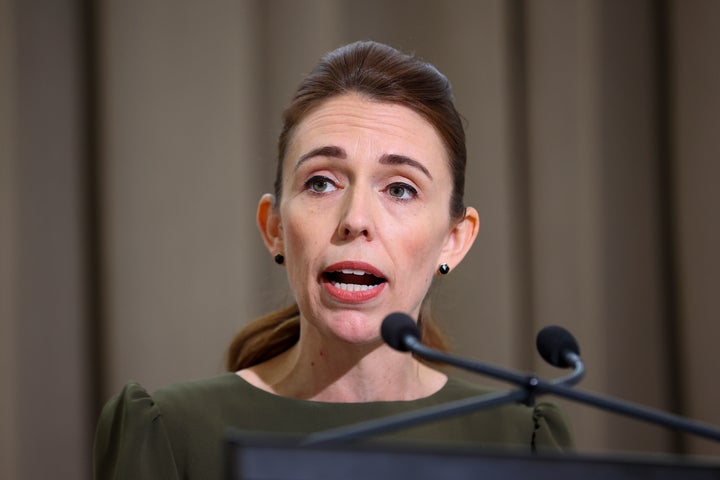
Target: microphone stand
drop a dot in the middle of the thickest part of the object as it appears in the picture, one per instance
(560, 388)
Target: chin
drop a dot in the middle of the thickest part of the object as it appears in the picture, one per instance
(359, 340)
(356, 328)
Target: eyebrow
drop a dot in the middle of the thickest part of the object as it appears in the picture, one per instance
(326, 151)
(333, 151)
(394, 159)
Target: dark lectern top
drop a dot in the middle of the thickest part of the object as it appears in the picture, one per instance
(262, 458)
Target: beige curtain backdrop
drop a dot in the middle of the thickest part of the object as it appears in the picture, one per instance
(137, 136)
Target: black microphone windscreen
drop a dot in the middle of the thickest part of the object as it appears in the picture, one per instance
(396, 327)
(552, 344)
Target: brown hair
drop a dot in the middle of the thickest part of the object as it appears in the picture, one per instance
(381, 73)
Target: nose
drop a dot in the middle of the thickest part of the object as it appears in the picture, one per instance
(356, 219)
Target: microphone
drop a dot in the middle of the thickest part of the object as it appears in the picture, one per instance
(559, 348)
(400, 331)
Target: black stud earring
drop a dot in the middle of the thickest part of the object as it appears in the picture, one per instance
(279, 259)
(444, 269)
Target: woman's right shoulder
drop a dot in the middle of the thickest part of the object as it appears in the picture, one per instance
(138, 433)
(133, 395)
(200, 393)
(131, 439)
(133, 404)
(132, 399)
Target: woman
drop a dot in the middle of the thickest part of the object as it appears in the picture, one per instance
(368, 208)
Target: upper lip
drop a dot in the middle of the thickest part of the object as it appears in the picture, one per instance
(355, 265)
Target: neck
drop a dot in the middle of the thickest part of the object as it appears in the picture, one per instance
(334, 371)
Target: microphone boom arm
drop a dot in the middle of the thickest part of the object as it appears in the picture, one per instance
(630, 409)
(560, 388)
(414, 345)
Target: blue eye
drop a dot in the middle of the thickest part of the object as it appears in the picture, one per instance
(401, 191)
(320, 184)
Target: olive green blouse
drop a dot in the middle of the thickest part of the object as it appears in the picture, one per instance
(177, 433)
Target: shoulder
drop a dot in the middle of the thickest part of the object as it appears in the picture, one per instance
(132, 402)
(135, 395)
(542, 425)
(164, 435)
(197, 406)
(131, 440)
(202, 390)
(136, 400)
(203, 402)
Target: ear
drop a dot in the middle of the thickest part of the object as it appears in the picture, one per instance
(268, 220)
(460, 239)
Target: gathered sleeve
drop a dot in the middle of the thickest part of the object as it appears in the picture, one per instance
(131, 440)
(551, 432)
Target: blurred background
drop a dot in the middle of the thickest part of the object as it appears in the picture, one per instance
(137, 136)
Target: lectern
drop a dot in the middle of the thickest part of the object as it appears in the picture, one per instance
(249, 457)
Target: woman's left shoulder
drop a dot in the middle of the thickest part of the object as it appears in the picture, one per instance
(194, 395)
(546, 424)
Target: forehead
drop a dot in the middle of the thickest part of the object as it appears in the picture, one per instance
(359, 122)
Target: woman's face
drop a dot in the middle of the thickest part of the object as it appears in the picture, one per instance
(364, 218)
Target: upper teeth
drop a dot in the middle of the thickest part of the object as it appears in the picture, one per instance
(354, 272)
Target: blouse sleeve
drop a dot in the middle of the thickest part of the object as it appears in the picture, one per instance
(552, 432)
(131, 440)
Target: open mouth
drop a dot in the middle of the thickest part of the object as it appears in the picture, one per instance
(353, 280)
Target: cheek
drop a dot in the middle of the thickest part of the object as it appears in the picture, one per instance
(295, 243)
(301, 241)
(420, 251)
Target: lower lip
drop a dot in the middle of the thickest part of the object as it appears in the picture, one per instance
(353, 297)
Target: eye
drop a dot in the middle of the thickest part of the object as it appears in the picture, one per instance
(320, 184)
(401, 191)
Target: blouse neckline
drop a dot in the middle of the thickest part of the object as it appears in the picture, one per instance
(430, 399)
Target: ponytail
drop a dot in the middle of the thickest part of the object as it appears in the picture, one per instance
(264, 338)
